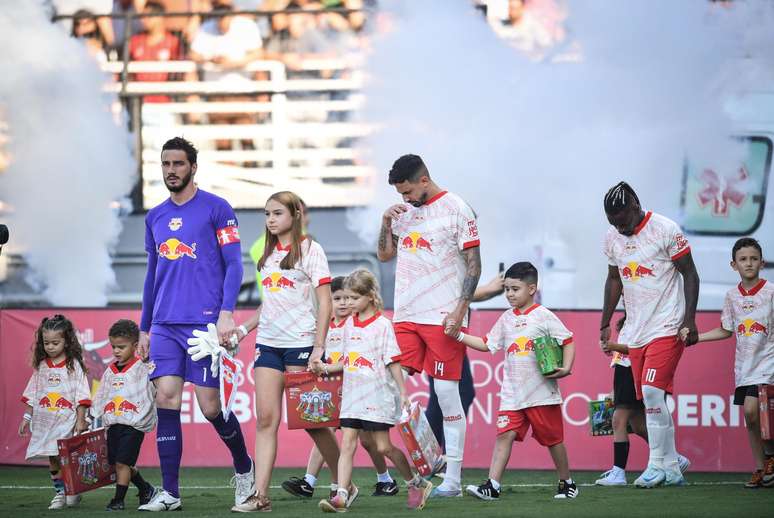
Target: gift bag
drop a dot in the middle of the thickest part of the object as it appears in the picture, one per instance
(229, 376)
(766, 405)
(84, 460)
(548, 353)
(601, 417)
(422, 446)
(313, 401)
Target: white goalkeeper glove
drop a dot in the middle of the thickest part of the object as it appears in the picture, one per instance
(206, 343)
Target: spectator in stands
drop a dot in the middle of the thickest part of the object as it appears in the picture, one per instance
(70, 7)
(295, 36)
(85, 28)
(155, 43)
(119, 24)
(231, 42)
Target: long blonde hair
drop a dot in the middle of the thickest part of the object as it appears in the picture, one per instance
(295, 205)
(363, 282)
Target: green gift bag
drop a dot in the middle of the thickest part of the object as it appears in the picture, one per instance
(549, 354)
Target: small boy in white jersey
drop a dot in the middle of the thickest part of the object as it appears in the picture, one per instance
(748, 313)
(527, 397)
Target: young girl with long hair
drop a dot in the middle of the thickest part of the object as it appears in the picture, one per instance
(57, 397)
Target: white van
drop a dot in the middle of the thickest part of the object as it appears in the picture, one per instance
(719, 207)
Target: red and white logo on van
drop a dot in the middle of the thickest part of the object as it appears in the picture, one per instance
(722, 191)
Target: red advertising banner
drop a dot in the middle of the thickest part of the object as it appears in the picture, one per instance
(710, 430)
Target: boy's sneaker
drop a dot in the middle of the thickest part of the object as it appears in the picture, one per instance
(385, 489)
(244, 484)
(162, 501)
(683, 462)
(337, 504)
(115, 505)
(673, 478)
(650, 478)
(418, 494)
(566, 490)
(147, 494)
(768, 473)
(254, 503)
(298, 487)
(612, 477)
(485, 491)
(353, 493)
(755, 481)
(58, 502)
(72, 500)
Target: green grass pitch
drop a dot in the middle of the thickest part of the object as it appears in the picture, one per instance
(25, 491)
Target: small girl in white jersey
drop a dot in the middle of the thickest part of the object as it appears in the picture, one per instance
(57, 396)
(373, 393)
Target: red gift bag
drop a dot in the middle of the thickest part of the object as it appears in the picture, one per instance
(84, 460)
(313, 401)
(766, 406)
(420, 441)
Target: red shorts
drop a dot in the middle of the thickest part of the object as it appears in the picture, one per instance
(655, 363)
(425, 347)
(546, 421)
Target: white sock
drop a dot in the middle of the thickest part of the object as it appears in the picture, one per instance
(310, 479)
(659, 423)
(454, 425)
(384, 477)
(671, 457)
(495, 484)
(334, 487)
(343, 492)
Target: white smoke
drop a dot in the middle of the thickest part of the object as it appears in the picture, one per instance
(69, 158)
(534, 145)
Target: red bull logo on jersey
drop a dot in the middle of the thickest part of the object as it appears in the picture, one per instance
(174, 249)
(117, 384)
(54, 379)
(414, 242)
(119, 406)
(354, 361)
(749, 327)
(53, 402)
(748, 305)
(276, 282)
(521, 346)
(334, 358)
(634, 271)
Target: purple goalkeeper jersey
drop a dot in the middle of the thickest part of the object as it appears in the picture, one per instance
(194, 261)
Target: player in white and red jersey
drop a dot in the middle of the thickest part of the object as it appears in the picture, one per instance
(748, 313)
(528, 399)
(650, 262)
(291, 332)
(435, 239)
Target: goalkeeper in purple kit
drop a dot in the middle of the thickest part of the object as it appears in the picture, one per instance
(193, 278)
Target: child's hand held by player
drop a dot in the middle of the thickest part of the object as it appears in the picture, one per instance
(559, 373)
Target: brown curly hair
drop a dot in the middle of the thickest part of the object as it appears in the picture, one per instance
(73, 350)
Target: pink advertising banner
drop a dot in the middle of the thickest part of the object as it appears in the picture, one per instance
(710, 430)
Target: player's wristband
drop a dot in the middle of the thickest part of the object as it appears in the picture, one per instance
(27, 417)
(461, 336)
(243, 329)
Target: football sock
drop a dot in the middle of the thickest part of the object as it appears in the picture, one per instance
(310, 479)
(384, 477)
(620, 454)
(56, 480)
(169, 441)
(139, 482)
(120, 493)
(231, 434)
(659, 422)
(454, 424)
(670, 451)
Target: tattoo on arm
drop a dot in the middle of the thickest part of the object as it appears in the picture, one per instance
(383, 239)
(472, 273)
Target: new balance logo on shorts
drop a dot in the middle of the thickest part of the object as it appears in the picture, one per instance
(303, 356)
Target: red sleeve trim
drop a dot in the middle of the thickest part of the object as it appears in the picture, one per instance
(323, 281)
(25, 400)
(84, 402)
(471, 244)
(684, 251)
(567, 341)
(395, 359)
(484, 339)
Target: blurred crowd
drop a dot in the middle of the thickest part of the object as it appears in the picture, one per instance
(219, 32)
